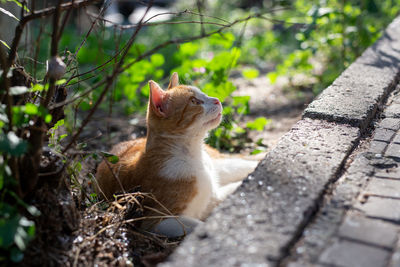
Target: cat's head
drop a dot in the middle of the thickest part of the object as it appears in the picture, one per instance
(181, 109)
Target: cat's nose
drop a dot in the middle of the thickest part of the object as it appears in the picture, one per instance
(216, 101)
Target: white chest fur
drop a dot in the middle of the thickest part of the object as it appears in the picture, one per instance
(197, 165)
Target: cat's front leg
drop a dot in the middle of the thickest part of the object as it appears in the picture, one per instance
(226, 190)
(232, 170)
(176, 227)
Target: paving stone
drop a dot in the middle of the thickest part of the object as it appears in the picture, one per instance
(395, 259)
(256, 223)
(384, 187)
(377, 147)
(368, 230)
(330, 216)
(393, 151)
(393, 111)
(390, 123)
(384, 135)
(303, 263)
(393, 173)
(352, 254)
(396, 139)
(384, 208)
(382, 163)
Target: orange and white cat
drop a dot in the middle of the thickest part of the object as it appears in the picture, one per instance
(188, 177)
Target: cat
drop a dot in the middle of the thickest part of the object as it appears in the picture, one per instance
(188, 177)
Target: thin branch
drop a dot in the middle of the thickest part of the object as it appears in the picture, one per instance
(53, 53)
(5, 85)
(144, 55)
(50, 10)
(189, 39)
(103, 9)
(110, 79)
(88, 91)
(64, 22)
(130, 26)
(199, 8)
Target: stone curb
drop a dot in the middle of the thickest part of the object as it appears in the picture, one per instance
(356, 94)
(259, 223)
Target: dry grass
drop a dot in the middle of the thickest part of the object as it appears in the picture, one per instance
(109, 234)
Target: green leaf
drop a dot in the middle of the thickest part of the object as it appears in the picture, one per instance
(188, 49)
(58, 124)
(5, 44)
(31, 109)
(12, 144)
(8, 225)
(18, 90)
(37, 87)
(62, 81)
(157, 60)
(48, 118)
(110, 157)
(16, 255)
(258, 124)
(250, 73)
(256, 151)
(272, 76)
(223, 39)
(61, 137)
(8, 13)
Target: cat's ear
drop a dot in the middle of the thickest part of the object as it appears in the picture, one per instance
(158, 99)
(174, 81)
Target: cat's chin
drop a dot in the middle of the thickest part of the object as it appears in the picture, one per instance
(214, 122)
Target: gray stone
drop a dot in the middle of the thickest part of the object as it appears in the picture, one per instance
(354, 97)
(257, 222)
(328, 220)
(393, 151)
(302, 264)
(368, 230)
(352, 254)
(393, 111)
(390, 123)
(384, 135)
(396, 139)
(384, 208)
(384, 187)
(377, 147)
(395, 259)
(393, 173)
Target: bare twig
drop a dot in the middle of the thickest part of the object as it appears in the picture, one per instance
(189, 39)
(50, 10)
(110, 79)
(101, 13)
(148, 53)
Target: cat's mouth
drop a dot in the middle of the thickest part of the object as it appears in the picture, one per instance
(215, 120)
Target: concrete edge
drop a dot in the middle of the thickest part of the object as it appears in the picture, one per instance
(229, 237)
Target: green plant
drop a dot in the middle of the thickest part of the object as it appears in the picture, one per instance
(333, 35)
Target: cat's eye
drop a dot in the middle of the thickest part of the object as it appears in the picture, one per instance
(196, 101)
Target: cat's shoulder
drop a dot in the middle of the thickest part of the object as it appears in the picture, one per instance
(131, 146)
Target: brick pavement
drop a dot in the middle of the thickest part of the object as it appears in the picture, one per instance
(359, 225)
